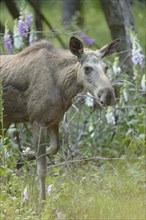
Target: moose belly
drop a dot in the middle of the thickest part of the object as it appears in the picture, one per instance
(49, 115)
(15, 108)
(14, 114)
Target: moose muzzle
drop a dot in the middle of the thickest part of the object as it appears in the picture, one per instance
(106, 97)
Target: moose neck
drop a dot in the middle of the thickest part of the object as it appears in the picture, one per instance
(68, 82)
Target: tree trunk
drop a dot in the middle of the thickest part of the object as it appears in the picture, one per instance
(2, 28)
(38, 20)
(120, 19)
(12, 8)
(70, 9)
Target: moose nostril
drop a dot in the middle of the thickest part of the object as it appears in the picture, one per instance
(101, 102)
(106, 97)
(100, 98)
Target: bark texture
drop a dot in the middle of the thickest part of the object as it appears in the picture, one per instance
(70, 9)
(120, 19)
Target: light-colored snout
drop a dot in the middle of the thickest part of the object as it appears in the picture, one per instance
(106, 97)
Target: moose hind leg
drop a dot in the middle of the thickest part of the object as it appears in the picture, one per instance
(41, 170)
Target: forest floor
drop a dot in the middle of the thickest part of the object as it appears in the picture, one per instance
(111, 191)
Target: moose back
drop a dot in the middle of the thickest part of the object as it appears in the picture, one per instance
(39, 84)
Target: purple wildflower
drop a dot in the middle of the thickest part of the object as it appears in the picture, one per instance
(23, 27)
(25, 194)
(138, 58)
(49, 189)
(17, 39)
(59, 214)
(87, 40)
(29, 19)
(6, 154)
(8, 42)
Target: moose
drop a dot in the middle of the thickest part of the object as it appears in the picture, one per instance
(39, 84)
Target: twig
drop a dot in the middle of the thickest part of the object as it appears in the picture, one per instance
(77, 111)
(86, 159)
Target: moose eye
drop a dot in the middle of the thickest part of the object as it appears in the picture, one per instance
(88, 70)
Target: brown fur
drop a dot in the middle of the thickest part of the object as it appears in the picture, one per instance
(39, 84)
(31, 84)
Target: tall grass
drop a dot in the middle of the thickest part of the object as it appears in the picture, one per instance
(1, 109)
(115, 190)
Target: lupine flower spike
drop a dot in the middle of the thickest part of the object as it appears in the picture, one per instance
(25, 194)
(89, 100)
(49, 189)
(137, 56)
(7, 40)
(18, 40)
(24, 23)
(23, 27)
(29, 19)
(143, 83)
(116, 68)
(6, 154)
(59, 214)
(110, 116)
(32, 38)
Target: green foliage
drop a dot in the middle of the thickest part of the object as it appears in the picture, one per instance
(1, 106)
(115, 190)
(109, 188)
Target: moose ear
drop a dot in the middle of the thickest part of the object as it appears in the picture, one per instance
(76, 46)
(109, 49)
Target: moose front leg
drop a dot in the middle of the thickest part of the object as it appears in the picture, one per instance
(39, 142)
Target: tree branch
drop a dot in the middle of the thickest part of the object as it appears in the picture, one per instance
(47, 22)
(12, 8)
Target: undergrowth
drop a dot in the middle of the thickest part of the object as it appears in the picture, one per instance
(113, 190)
